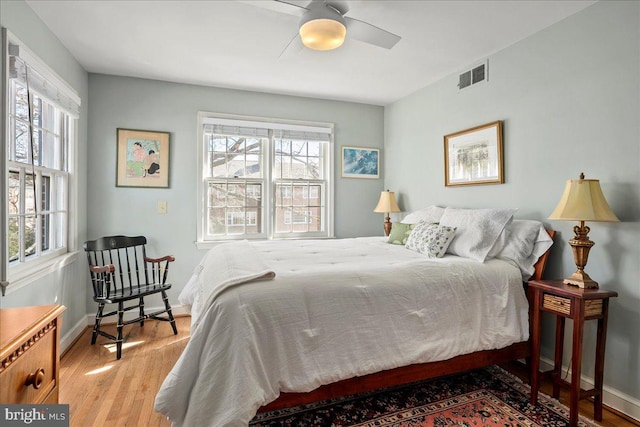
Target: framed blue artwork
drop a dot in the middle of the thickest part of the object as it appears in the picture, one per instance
(360, 162)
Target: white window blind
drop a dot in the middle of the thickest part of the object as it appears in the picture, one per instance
(23, 67)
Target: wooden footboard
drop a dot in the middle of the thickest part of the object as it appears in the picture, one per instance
(403, 375)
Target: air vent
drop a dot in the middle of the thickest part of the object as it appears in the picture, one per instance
(475, 75)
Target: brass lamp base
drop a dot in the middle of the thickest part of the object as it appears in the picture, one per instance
(581, 246)
(581, 280)
(387, 226)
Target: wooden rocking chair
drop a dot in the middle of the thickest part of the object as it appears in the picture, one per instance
(121, 271)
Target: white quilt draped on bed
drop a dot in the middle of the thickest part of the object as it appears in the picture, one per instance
(335, 309)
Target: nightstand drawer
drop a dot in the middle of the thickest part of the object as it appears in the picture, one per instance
(557, 304)
(562, 305)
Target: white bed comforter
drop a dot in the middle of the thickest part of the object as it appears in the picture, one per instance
(335, 309)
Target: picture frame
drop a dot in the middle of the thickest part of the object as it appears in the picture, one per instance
(474, 156)
(360, 162)
(142, 158)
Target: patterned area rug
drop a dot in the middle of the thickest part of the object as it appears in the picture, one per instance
(485, 397)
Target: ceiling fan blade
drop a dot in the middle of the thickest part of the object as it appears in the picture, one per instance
(289, 7)
(370, 33)
(341, 6)
(292, 48)
(292, 7)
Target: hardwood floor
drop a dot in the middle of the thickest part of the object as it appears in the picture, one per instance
(101, 390)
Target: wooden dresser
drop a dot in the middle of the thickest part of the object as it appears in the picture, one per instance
(30, 354)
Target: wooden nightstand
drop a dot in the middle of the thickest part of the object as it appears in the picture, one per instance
(30, 354)
(566, 301)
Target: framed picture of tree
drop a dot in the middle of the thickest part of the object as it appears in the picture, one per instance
(474, 156)
(142, 159)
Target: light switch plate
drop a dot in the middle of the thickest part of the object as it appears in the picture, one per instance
(162, 207)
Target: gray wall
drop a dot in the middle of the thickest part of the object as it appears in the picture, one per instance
(68, 285)
(569, 97)
(153, 105)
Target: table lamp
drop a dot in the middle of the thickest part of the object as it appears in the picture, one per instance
(582, 201)
(387, 204)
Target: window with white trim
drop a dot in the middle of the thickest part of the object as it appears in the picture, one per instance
(264, 179)
(40, 130)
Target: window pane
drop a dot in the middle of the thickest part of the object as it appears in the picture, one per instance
(50, 118)
(284, 194)
(21, 148)
(235, 194)
(36, 146)
(314, 148)
(36, 111)
(58, 230)
(21, 103)
(217, 221)
(217, 194)
(49, 147)
(45, 231)
(254, 195)
(29, 235)
(14, 239)
(14, 193)
(29, 199)
(283, 220)
(45, 203)
(315, 219)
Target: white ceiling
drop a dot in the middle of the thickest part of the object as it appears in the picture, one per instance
(237, 44)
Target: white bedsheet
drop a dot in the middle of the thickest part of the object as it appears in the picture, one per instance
(335, 309)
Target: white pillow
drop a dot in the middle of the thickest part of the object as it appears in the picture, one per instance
(477, 230)
(430, 215)
(527, 241)
(430, 239)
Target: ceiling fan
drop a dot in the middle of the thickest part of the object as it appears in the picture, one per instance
(324, 26)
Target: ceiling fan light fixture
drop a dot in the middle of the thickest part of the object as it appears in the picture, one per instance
(323, 33)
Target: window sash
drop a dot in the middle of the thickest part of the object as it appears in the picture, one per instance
(46, 226)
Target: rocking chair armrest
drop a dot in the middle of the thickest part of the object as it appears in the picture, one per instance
(168, 258)
(102, 268)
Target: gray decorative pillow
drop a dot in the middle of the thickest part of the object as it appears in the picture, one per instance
(399, 233)
(430, 239)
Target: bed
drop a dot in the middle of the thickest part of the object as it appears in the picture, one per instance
(280, 323)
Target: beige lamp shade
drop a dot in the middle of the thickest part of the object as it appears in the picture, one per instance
(387, 203)
(583, 200)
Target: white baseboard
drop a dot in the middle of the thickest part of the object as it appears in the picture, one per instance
(70, 337)
(611, 397)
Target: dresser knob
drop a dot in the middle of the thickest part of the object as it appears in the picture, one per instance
(35, 379)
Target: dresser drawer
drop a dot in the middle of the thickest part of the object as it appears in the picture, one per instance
(37, 360)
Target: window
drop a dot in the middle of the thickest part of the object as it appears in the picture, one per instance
(264, 179)
(40, 127)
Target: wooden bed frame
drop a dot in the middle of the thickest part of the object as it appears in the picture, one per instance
(412, 373)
